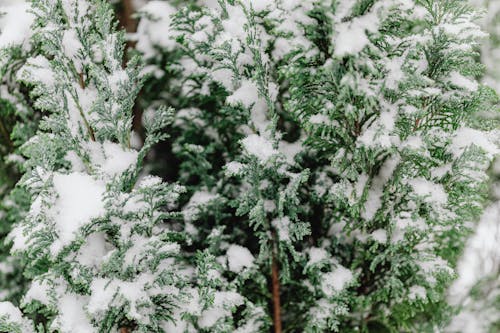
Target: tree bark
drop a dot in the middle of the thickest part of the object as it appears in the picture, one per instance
(276, 291)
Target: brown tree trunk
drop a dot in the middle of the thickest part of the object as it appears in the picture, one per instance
(126, 19)
(276, 291)
(130, 25)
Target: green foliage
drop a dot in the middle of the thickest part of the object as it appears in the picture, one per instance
(324, 153)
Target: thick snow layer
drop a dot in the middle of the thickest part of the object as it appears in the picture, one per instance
(233, 168)
(15, 23)
(80, 199)
(72, 45)
(238, 258)
(481, 256)
(9, 310)
(223, 301)
(107, 293)
(93, 250)
(72, 316)
(38, 291)
(259, 147)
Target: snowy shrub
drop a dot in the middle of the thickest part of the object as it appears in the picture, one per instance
(242, 165)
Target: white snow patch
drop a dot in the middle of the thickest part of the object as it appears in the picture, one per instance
(466, 137)
(259, 147)
(118, 159)
(238, 258)
(80, 199)
(247, 94)
(434, 193)
(417, 292)
(282, 225)
(333, 282)
(155, 30)
(15, 24)
(463, 82)
(72, 316)
(316, 255)
(9, 310)
(380, 235)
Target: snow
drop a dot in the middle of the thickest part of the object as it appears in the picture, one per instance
(350, 37)
(106, 293)
(247, 94)
(234, 27)
(233, 168)
(77, 164)
(463, 82)
(155, 31)
(79, 201)
(91, 254)
(238, 258)
(260, 5)
(38, 70)
(417, 292)
(373, 201)
(39, 291)
(333, 282)
(319, 119)
(434, 193)
(9, 310)
(282, 225)
(118, 159)
(198, 199)
(71, 45)
(316, 255)
(380, 235)
(465, 137)
(223, 301)
(72, 316)
(15, 24)
(481, 257)
(259, 147)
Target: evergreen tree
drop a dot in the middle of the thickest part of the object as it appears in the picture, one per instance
(17, 125)
(476, 291)
(391, 168)
(329, 156)
(96, 248)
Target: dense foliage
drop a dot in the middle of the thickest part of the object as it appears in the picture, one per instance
(240, 165)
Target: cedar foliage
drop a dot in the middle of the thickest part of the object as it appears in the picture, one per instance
(245, 166)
